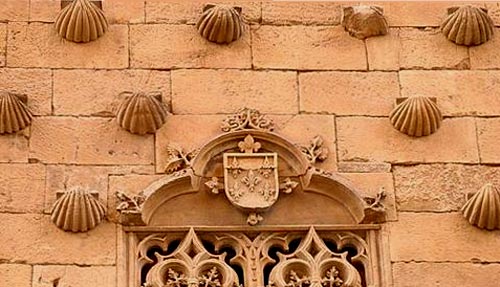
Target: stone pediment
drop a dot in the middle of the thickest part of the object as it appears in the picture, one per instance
(250, 174)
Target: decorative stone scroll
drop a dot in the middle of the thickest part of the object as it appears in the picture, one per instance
(14, 113)
(364, 21)
(220, 23)
(416, 116)
(483, 208)
(81, 21)
(468, 25)
(247, 119)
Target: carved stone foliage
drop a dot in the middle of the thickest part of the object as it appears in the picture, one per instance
(81, 21)
(315, 151)
(220, 23)
(468, 25)
(127, 203)
(77, 210)
(280, 259)
(247, 119)
(178, 159)
(364, 21)
(416, 116)
(14, 114)
(483, 208)
(141, 113)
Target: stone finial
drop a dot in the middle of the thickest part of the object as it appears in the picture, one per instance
(364, 21)
(77, 210)
(220, 23)
(142, 113)
(14, 114)
(467, 25)
(483, 208)
(416, 116)
(247, 119)
(81, 22)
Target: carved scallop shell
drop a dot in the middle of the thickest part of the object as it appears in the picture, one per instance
(14, 114)
(483, 208)
(220, 23)
(81, 21)
(142, 113)
(77, 210)
(363, 21)
(467, 25)
(416, 116)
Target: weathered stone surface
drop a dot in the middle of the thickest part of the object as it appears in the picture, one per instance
(14, 10)
(35, 239)
(383, 51)
(355, 167)
(428, 49)
(368, 139)
(75, 91)
(14, 147)
(62, 177)
(15, 275)
(124, 11)
(153, 46)
(485, 56)
(348, 93)
(3, 43)
(299, 47)
(130, 185)
(182, 12)
(373, 183)
(409, 13)
(440, 187)
(226, 91)
(441, 237)
(301, 129)
(74, 276)
(87, 141)
(36, 84)
(38, 45)
(458, 93)
(22, 187)
(488, 131)
(308, 13)
(44, 10)
(446, 274)
(494, 12)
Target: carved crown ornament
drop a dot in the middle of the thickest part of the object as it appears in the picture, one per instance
(243, 174)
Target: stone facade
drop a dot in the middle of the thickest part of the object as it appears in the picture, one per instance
(296, 64)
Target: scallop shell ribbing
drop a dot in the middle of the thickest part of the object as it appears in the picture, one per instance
(467, 25)
(483, 208)
(220, 23)
(81, 21)
(416, 116)
(141, 114)
(14, 114)
(77, 211)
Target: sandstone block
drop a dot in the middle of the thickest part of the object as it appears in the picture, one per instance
(36, 84)
(299, 47)
(201, 91)
(383, 51)
(15, 275)
(152, 47)
(14, 147)
(74, 276)
(485, 55)
(87, 141)
(3, 43)
(441, 237)
(188, 12)
(458, 93)
(414, 13)
(369, 139)
(308, 13)
(62, 177)
(37, 45)
(91, 92)
(373, 183)
(429, 49)
(360, 167)
(44, 10)
(124, 11)
(348, 93)
(440, 187)
(36, 240)
(14, 10)
(445, 274)
(22, 187)
(494, 12)
(488, 131)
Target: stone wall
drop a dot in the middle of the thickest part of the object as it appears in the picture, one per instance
(297, 64)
